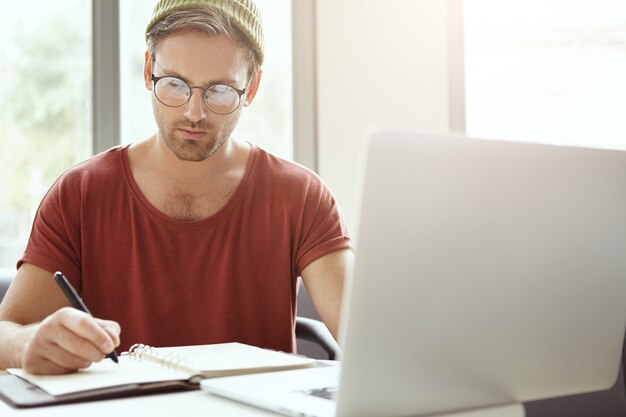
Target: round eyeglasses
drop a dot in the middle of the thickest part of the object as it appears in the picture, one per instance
(219, 98)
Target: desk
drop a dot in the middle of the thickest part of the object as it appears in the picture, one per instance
(180, 404)
(610, 403)
(174, 404)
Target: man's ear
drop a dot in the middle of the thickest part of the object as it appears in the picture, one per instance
(253, 88)
(147, 70)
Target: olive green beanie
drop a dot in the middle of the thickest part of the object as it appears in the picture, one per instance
(242, 13)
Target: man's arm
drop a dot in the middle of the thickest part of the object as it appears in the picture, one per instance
(40, 333)
(324, 279)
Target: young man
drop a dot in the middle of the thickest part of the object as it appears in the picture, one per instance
(188, 237)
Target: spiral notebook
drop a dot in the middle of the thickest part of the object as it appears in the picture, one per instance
(144, 369)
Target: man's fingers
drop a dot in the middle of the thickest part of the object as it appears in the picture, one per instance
(79, 346)
(56, 361)
(87, 328)
(112, 328)
(47, 367)
(65, 360)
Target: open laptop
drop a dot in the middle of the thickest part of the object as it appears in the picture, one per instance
(487, 273)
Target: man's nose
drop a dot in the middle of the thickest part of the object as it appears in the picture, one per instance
(195, 109)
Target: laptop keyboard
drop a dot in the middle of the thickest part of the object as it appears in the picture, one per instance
(328, 393)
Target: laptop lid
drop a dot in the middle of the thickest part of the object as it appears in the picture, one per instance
(487, 272)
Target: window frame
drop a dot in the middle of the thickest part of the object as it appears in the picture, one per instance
(106, 130)
(456, 66)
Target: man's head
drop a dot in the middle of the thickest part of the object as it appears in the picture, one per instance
(238, 20)
(199, 54)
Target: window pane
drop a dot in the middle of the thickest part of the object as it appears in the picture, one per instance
(268, 122)
(137, 122)
(45, 109)
(547, 70)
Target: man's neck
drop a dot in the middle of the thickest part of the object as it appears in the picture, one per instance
(163, 163)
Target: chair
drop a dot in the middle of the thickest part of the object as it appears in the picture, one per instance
(4, 286)
(315, 331)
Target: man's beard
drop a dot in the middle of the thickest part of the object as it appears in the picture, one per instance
(195, 150)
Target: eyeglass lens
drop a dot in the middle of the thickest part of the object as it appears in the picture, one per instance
(174, 92)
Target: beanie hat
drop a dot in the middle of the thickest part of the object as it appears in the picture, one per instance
(242, 13)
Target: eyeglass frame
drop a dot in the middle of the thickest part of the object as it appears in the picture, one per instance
(240, 92)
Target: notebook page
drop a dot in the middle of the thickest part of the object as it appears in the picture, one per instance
(102, 374)
(222, 357)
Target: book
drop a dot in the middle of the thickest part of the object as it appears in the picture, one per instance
(145, 369)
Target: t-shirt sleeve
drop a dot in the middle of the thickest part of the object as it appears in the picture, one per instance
(323, 227)
(54, 242)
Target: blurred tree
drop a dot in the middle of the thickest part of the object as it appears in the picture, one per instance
(45, 95)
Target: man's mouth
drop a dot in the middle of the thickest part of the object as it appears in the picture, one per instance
(189, 133)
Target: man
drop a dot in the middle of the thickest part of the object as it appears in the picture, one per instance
(188, 237)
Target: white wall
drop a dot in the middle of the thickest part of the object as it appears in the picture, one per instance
(379, 61)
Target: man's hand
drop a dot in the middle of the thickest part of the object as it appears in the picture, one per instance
(68, 340)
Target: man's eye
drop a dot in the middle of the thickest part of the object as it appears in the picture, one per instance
(175, 83)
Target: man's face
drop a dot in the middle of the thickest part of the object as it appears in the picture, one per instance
(192, 132)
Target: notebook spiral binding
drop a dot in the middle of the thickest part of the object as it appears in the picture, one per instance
(141, 352)
(137, 351)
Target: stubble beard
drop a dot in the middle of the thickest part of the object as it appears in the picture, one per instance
(194, 150)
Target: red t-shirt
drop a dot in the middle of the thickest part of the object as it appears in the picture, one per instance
(230, 277)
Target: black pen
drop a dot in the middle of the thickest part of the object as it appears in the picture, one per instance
(76, 302)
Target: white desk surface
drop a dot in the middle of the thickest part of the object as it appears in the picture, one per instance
(189, 403)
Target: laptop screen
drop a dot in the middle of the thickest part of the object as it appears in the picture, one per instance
(486, 272)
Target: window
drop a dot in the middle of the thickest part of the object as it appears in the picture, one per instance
(268, 122)
(45, 109)
(546, 70)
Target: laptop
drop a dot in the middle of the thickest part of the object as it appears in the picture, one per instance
(487, 273)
